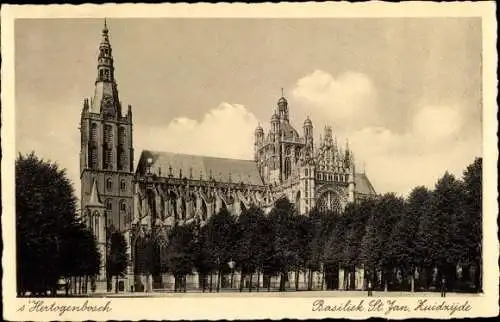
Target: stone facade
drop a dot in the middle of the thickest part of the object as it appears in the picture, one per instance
(169, 188)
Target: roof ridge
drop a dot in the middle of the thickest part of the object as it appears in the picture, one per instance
(196, 155)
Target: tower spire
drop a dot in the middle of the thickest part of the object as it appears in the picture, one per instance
(106, 92)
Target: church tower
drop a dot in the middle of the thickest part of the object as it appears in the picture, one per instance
(106, 154)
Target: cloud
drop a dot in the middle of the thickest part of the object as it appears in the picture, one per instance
(343, 99)
(437, 123)
(400, 161)
(225, 131)
(434, 140)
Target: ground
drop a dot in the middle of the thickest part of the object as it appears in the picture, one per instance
(307, 294)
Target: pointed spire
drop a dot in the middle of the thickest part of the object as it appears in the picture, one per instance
(105, 60)
(94, 200)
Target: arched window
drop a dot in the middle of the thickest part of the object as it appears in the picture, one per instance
(121, 136)
(306, 172)
(123, 186)
(183, 209)
(123, 206)
(96, 227)
(108, 143)
(288, 167)
(109, 184)
(93, 133)
(109, 205)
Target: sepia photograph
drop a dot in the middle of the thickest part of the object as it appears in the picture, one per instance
(324, 158)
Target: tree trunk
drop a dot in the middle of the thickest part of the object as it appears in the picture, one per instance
(116, 284)
(218, 279)
(269, 283)
(250, 284)
(323, 277)
(310, 280)
(412, 279)
(297, 272)
(282, 282)
(185, 283)
(211, 280)
(258, 280)
(241, 281)
(202, 276)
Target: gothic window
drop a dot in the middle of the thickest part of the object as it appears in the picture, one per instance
(122, 158)
(93, 157)
(109, 205)
(121, 136)
(108, 134)
(108, 143)
(123, 186)
(307, 184)
(183, 209)
(109, 184)
(329, 201)
(336, 178)
(288, 167)
(93, 133)
(101, 74)
(306, 172)
(123, 206)
(96, 227)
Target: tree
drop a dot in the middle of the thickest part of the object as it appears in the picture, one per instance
(284, 252)
(303, 231)
(251, 242)
(220, 232)
(117, 258)
(180, 254)
(45, 210)
(403, 250)
(202, 260)
(80, 257)
(439, 235)
(471, 224)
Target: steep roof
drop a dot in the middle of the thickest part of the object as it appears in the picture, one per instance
(363, 184)
(221, 169)
(94, 200)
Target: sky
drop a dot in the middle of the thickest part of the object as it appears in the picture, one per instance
(404, 92)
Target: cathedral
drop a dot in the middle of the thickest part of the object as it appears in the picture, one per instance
(168, 188)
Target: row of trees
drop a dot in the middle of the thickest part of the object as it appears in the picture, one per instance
(401, 243)
(54, 248)
(53, 245)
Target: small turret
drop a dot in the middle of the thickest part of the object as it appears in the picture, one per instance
(259, 139)
(283, 107)
(275, 123)
(308, 131)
